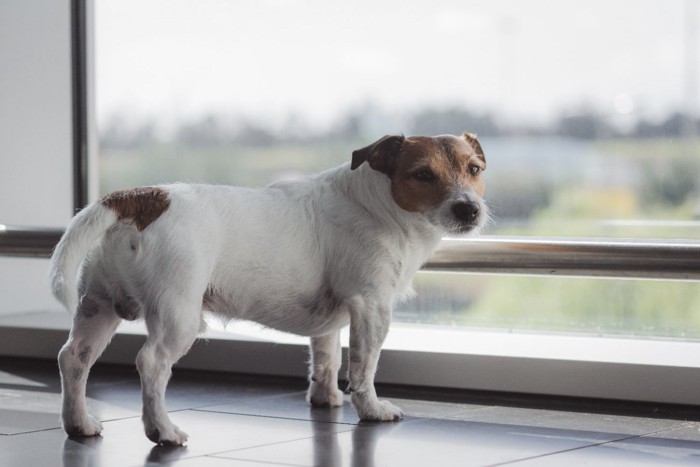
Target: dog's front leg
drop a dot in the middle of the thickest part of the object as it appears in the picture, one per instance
(368, 329)
(326, 357)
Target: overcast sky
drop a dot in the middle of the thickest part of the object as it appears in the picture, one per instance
(524, 59)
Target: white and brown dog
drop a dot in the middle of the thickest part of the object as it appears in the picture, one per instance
(307, 257)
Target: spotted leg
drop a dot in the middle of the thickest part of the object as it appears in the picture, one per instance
(93, 327)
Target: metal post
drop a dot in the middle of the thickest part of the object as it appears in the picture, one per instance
(80, 104)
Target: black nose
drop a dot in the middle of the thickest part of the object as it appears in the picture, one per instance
(465, 212)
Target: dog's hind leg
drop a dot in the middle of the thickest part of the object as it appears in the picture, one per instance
(172, 329)
(326, 358)
(94, 325)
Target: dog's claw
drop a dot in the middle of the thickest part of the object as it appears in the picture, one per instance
(90, 427)
(319, 397)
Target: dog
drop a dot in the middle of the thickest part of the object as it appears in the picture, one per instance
(309, 257)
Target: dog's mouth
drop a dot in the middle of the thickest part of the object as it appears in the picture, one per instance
(463, 229)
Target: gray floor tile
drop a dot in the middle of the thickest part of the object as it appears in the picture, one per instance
(689, 431)
(678, 447)
(440, 410)
(262, 422)
(183, 393)
(123, 443)
(293, 406)
(211, 461)
(45, 448)
(26, 410)
(14, 422)
(618, 426)
(423, 442)
(30, 398)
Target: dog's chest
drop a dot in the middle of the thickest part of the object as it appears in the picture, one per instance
(414, 255)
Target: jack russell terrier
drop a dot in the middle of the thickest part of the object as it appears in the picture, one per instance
(307, 257)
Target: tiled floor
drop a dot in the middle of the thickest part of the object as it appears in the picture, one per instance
(236, 421)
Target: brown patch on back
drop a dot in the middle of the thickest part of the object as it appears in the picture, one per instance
(140, 206)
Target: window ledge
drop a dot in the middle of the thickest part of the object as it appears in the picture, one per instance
(560, 365)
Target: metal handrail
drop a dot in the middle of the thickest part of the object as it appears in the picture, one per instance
(28, 242)
(648, 259)
(630, 258)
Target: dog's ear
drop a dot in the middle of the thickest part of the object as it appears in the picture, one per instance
(381, 155)
(471, 139)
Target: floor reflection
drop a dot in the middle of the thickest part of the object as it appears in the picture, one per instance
(81, 452)
(327, 449)
(165, 454)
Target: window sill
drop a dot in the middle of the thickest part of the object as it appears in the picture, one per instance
(559, 365)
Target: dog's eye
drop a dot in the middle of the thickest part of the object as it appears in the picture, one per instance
(424, 176)
(474, 169)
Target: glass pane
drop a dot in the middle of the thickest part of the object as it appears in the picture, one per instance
(634, 308)
(587, 112)
(588, 120)
(35, 140)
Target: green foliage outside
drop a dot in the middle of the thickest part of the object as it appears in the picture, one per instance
(232, 165)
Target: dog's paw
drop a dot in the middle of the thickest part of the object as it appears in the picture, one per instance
(377, 411)
(167, 436)
(84, 427)
(320, 396)
(387, 412)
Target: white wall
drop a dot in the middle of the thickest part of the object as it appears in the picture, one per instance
(35, 136)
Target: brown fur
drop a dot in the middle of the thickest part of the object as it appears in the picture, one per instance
(448, 158)
(140, 206)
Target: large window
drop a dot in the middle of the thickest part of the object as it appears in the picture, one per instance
(35, 138)
(587, 112)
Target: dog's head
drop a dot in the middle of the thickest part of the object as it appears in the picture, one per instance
(440, 177)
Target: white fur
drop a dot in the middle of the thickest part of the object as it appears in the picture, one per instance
(307, 257)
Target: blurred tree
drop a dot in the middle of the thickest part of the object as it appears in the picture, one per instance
(673, 126)
(670, 181)
(205, 131)
(122, 132)
(587, 124)
(517, 198)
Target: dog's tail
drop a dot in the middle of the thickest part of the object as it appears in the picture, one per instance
(82, 233)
